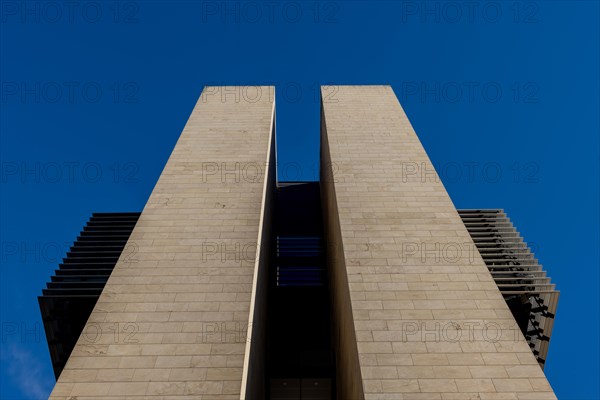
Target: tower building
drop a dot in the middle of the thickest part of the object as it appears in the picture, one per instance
(368, 284)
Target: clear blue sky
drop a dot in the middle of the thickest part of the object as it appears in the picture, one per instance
(95, 95)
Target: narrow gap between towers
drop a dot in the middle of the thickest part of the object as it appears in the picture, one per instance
(299, 354)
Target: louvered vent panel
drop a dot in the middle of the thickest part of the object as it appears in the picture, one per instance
(530, 295)
(74, 289)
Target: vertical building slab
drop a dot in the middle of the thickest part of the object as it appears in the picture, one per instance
(173, 318)
(417, 314)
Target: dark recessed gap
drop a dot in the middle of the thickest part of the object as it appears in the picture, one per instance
(300, 359)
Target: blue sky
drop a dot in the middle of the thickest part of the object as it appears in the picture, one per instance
(504, 96)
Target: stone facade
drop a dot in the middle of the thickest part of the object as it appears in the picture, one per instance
(416, 313)
(428, 320)
(173, 318)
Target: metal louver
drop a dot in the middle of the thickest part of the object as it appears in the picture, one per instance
(521, 280)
